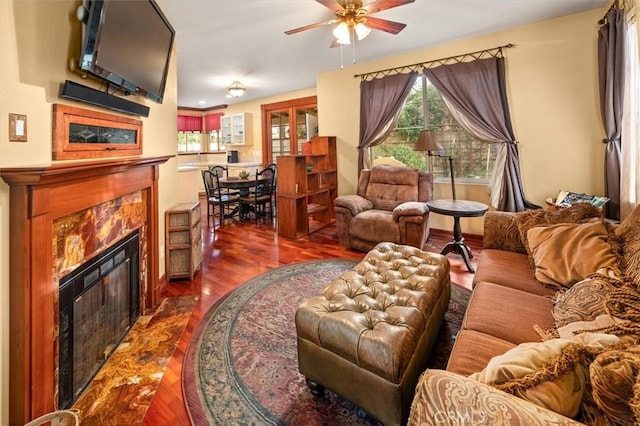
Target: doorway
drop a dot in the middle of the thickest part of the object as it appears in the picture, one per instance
(286, 126)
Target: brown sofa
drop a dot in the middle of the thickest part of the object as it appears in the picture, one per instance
(511, 315)
(389, 205)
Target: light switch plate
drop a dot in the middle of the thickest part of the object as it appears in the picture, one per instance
(17, 127)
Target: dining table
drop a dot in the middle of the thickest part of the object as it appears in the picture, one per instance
(243, 185)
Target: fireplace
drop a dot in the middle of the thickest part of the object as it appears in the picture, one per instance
(45, 201)
(98, 303)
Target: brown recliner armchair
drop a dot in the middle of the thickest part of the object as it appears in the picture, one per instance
(390, 205)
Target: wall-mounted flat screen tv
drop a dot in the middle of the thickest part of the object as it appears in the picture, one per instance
(128, 43)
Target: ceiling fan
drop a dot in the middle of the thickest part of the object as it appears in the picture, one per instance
(354, 19)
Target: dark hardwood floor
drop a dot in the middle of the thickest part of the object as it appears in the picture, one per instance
(236, 252)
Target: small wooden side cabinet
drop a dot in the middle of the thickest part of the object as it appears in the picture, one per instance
(183, 240)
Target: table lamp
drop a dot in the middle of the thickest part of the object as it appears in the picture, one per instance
(427, 143)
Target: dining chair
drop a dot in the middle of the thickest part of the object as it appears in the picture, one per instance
(261, 196)
(274, 186)
(215, 197)
(223, 171)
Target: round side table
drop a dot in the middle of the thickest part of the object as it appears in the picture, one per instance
(458, 209)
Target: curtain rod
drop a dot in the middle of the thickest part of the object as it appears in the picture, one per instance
(604, 18)
(493, 52)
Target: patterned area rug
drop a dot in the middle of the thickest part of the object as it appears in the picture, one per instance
(242, 368)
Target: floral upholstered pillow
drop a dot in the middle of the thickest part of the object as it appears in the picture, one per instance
(565, 254)
(584, 301)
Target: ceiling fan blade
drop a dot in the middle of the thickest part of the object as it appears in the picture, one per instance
(331, 4)
(379, 5)
(384, 25)
(311, 26)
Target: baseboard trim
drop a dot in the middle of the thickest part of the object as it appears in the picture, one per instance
(447, 233)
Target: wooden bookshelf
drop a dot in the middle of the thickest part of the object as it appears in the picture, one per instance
(305, 197)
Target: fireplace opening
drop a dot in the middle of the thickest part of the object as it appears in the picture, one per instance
(99, 302)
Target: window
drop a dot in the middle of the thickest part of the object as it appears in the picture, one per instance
(473, 160)
(189, 142)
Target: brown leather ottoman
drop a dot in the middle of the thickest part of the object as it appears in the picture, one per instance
(368, 336)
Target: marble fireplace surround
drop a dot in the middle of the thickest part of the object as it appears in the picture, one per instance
(40, 196)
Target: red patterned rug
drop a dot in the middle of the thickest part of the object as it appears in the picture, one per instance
(241, 366)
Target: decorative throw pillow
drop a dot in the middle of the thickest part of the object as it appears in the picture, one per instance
(600, 324)
(628, 233)
(577, 213)
(567, 253)
(550, 374)
(584, 301)
(615, 384)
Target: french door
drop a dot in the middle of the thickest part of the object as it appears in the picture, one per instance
(286, 126)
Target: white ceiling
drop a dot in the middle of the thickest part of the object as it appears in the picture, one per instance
(219, 41)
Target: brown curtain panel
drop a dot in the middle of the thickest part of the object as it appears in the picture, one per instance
(381, 101)
(477, 91)
(611, 73)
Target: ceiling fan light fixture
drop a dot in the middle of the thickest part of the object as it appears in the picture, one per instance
(236, 89)
(342, 33)
(362, 30)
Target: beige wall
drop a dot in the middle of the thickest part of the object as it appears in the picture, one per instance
(32, 67)
(552, 85)
(552, 90)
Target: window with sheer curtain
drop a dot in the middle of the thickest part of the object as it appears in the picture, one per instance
(473, 159)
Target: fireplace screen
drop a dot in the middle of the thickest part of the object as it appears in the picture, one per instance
(98, 304)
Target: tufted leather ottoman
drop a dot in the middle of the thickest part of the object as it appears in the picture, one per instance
(368, 336)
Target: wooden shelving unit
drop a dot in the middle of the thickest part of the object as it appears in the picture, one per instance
(183, 240)
(305, 197)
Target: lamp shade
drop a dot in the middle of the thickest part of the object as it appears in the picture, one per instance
(362, 30)
(342, 33)
(427, 142)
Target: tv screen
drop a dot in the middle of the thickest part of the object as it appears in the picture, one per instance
(128, 43)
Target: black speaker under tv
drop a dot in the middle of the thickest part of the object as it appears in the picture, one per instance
(78, 92)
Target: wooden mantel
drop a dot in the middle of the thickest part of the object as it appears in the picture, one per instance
(38, 196)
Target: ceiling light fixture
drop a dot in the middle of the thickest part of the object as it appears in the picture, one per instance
(342, 33)
(345, 29)
(362, 30)
(236, 89)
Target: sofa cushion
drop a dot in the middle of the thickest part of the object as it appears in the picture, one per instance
(472, 351)
(374, 225)
(567, 253)
(507, 313)
(551, 374)
(540, 217)
(509, 269)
